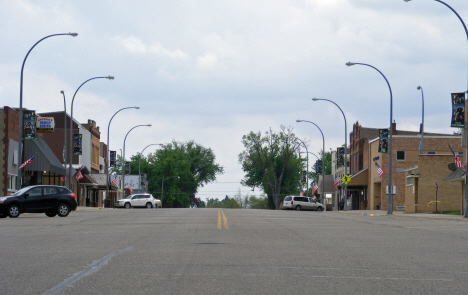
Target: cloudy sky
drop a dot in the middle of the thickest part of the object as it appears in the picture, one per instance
(212, 71)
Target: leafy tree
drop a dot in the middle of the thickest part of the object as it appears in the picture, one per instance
(272, 163)
(225, 203)
(258, 202)
(179, 168)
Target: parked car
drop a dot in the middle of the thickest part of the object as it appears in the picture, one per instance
(138, 200)
(49, 199)
(299, 203)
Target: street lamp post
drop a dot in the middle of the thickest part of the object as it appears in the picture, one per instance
(71, 128)
(390, 187)
(123, 157)
(64, 152)
(465, 214)
(107, 153)
(421, 145)
(162, 186)
(345, 206)
(139, 163)
(307, 178)
(323, 161)
(20, 118)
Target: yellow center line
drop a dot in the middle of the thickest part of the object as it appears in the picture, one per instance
(225, 220)
(219, 220)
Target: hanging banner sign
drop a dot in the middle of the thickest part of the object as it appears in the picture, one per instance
(458, 110)
(340, 156)
(383, 140)
(29, 124)
(45, 124)
(112, 158)
(127, 167)
(318, 166)
(77, 144)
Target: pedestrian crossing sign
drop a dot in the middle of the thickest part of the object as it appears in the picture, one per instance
(345, 179)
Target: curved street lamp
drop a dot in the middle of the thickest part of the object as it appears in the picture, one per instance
(20, 118)
(323, 161)
(139, 163)
(345, 206)
(307, 181)
(64, 152)
(421, 145)
(107, 153)
(465, 214)
(390, 187)
(71, 127)
(123, 157)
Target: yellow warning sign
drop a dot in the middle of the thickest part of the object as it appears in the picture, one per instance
(345, 179)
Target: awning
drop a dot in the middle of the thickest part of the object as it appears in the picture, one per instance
(45, 160)
(359, 178)
(457, 175)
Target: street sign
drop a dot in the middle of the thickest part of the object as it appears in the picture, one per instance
(345, 179)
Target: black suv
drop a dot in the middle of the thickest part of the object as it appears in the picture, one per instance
(49, 199)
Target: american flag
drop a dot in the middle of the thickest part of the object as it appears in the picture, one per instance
(63, 178)
(458, 163)
(337, 180)
(314, 188)
(79, 175)
(379, 170)
(114, 181)
(26, 163)
(314, 198)
(130, 189)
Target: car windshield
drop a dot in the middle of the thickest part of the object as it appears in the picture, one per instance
(24, 189)
(129, 197)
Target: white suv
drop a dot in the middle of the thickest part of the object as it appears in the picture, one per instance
(299, 203)
(138, 200)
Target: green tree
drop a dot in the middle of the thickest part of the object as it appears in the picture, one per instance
(258, 202)
(184, 166)
(272, 163)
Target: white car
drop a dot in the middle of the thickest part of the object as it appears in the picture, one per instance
(138, 200)
(299, 203)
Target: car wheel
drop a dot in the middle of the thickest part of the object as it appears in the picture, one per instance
(63, 210)
(319, 209)
(13, 211)
(51, 214)
(149, 206)
(127, 205)
(298, 208)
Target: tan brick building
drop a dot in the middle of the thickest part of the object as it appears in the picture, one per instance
(367, 191)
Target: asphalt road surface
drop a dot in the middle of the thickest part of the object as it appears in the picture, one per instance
(211, 251)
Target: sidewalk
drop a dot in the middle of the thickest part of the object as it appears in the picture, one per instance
(403, 214)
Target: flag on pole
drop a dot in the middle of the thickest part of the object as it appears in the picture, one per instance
(458, 163)
(130, 189)
(314, 198)
(314, 188)
(114, 181)
(379, 170)
(337, 180)
(26, 163)
(79, 175)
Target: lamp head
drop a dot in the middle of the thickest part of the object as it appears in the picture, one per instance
(298, 121)
(350, 63)
(149, 125)
(110, 77)
(137, 108)
(419, 87)
(407, 0)
(61, 91)
(315, 99)
(73, 34)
